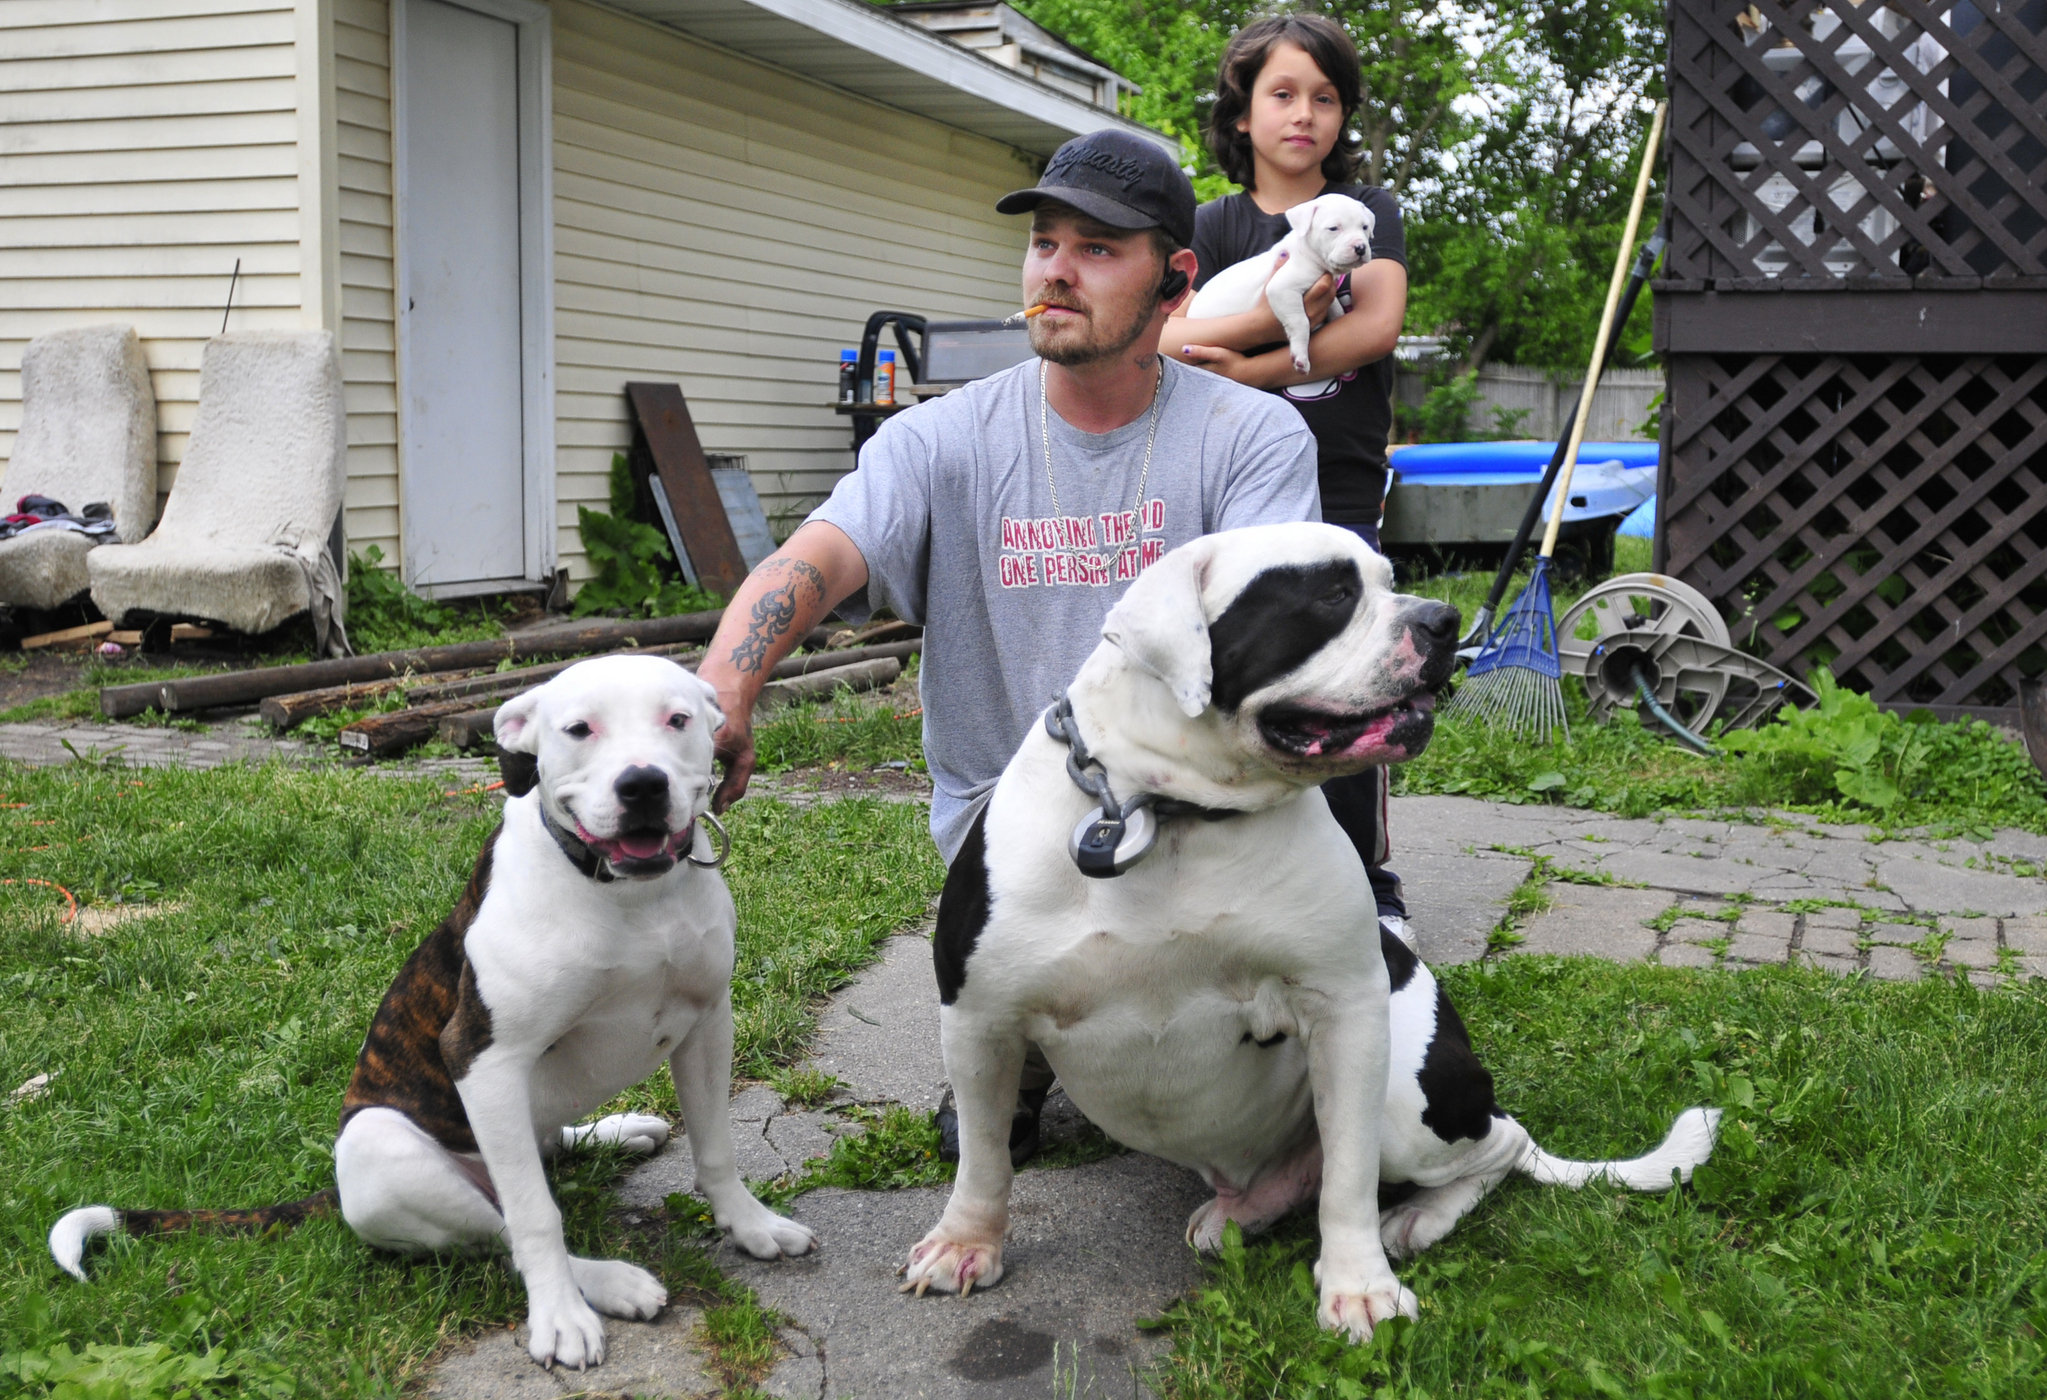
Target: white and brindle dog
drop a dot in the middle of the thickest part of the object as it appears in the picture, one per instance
(1227, 1001)
(1331, 234)
(593, 941)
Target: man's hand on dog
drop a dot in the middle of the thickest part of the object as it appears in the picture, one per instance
(734, 747)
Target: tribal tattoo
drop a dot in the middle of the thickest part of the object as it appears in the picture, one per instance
(776, 612)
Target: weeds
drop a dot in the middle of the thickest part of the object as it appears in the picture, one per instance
(385, 615)
(631, 560)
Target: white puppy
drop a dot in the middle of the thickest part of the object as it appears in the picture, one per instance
(1228, 1000)
(594, 940)
(1330, 234)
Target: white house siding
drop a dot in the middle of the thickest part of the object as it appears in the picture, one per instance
(145, 145)
(369, 357)
(728, 227)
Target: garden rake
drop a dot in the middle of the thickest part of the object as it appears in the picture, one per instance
(1515, 680)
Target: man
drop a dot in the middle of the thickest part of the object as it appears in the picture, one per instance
(1009, 516)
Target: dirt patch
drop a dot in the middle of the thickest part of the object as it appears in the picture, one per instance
(36, 674)
(838, 782)
(97, 919)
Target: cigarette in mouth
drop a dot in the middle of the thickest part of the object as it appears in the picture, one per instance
(1021, 316)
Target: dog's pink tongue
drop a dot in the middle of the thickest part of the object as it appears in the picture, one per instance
(643, 847)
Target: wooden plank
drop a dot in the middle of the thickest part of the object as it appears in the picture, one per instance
(399, 730)
(284, 711)
(662, 428)
(66, 636)
(1905, 322)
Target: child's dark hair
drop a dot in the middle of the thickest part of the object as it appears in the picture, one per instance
(1325, 42)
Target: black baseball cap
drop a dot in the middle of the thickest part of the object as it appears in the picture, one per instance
(1121, 179)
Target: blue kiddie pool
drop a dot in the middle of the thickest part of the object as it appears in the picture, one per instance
(1465, 493)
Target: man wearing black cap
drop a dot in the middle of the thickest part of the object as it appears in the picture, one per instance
(1009, 515)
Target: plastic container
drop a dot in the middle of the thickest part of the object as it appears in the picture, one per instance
(885, 377)
(849, 376)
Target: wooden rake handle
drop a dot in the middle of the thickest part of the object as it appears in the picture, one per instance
(1606, 329)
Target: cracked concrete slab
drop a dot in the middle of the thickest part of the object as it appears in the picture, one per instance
(1090, 1250)
(1600, 921)
(880, 1035)
(641, 1359)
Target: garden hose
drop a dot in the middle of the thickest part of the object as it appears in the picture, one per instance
(1670, 721)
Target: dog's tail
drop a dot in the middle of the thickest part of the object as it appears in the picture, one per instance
(1690, 1143)
(78, 1228)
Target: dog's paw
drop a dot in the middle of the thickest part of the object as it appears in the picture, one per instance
(766, 1235)
(1408, 1229)
(566, 1331)
(1355, 1311)
(952, 1266)
(1205, 1226)
(618, 1289)
(1300, 364)
(635, 1132)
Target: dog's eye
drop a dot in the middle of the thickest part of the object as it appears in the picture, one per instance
(578, 730)
(1338, 593)
(678, 721)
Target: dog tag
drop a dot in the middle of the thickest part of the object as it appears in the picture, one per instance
(1103, 845)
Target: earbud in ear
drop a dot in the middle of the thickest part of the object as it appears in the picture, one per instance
(1174, 283)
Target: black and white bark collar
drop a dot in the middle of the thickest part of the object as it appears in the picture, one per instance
(1116, 835)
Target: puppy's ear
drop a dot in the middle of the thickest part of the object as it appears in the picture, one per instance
(1297, 217)
(517, 723)
(1162, 628)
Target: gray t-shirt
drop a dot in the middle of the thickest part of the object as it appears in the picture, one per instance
(951, 510)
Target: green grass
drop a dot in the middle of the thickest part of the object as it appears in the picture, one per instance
(1873, 1223)
(199, 1052)
(848, 729)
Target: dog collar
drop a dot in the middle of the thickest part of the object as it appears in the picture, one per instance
(1116, 835)
(593, 866)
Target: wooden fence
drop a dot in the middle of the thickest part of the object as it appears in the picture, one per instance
(1854, 316)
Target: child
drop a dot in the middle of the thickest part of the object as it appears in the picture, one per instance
(1284, 96)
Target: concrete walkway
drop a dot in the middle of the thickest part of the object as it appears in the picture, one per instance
(1096, 1248)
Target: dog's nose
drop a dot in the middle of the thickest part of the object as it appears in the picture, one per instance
(641, 786)
(1436, 622)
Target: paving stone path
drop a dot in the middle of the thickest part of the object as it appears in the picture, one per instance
(1095, 1248)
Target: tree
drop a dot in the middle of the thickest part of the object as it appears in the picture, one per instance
(1509, 133)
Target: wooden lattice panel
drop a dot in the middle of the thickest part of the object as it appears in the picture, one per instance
(1859, 142)
(1884, 515)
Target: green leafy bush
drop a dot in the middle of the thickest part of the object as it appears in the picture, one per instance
(385, 615)
(1846, 749)
(629, 559)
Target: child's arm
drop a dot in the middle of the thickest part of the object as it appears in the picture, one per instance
(1365, 335)
(1245, 329)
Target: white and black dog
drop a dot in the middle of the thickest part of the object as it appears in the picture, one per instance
(1329, 234)
(1226, 1000)
(593, 941)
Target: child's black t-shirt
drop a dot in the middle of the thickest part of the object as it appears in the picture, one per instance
(1351, 415)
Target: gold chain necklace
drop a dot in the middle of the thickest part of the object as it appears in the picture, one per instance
(1151, 437)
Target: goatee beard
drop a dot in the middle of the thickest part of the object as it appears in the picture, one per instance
(1092, 351)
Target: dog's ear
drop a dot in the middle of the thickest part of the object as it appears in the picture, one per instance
(1297, 217)
(1161, 627)
(516, 725)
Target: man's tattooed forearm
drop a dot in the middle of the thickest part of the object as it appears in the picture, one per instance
(776, 611)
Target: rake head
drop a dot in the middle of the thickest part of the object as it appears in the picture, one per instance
(1514, 680)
